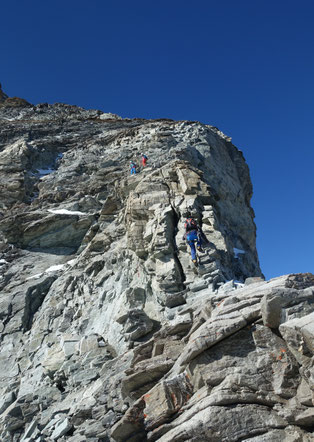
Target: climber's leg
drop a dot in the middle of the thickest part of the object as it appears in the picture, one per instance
(193, 251)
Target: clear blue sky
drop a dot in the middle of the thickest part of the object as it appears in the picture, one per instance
(246, 67)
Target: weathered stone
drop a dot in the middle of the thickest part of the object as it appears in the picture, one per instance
(69, 344)
(172, 349)
(92, 428)
(172, 299)
(226, 423)
(299, 334)
(6, 400)
(84, 377)
(254, 280)
(289, 434)
(271, 310)
(306, 418)
(137, 324)
(166, 399)
(131, 425)
(180, 325)
(210, 333)
(61, 429)
(31, 432)
(88, 343)
(304, 394)
(146, 375)
(53, 359)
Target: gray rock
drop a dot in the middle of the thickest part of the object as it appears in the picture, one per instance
(69, 344)
(289, 434)
(6, 400)
(165, 400)
(131, 424)
(146, 375)
(304, 394)
(31, 432)
(271, 310)
(61, 429)
(244, 421)
(254, 280)
(299, 334)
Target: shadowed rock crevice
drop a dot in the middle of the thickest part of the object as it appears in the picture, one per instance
(176, 220)
(34, 298)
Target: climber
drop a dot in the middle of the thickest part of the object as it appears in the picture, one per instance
(144, 159)
(192, 234)
(133, 167)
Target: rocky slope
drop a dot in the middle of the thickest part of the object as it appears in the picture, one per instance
(108, 331)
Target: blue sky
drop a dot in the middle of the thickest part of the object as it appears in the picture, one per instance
(246, 67)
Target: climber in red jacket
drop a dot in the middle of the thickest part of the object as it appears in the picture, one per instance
(144, 160)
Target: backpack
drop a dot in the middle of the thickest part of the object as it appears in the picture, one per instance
(190, 224)
(144, 157)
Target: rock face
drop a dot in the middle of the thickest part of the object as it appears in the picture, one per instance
(108, 330)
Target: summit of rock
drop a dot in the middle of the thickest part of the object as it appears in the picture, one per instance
(6, 101)
(3, 96)
(108, 330)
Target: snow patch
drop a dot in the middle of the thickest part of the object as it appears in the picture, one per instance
(71, 263)
(3, 261)
(66, 212)
(37, 276)
(237, 252)
(44, 172)
(49, 270)
(54, 268)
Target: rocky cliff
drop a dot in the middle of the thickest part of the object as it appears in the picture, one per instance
(108, 330)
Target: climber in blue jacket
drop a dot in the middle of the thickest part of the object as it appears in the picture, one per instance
(192, 235)
(133, 168)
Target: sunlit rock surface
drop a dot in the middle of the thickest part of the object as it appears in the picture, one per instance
(108, 330)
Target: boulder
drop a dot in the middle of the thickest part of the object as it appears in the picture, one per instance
(271, 308)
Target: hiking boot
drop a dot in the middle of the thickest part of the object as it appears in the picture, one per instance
(199, 248)
(194, 261)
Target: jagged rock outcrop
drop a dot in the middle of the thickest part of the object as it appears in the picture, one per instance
(6, 101)
(108, 331)
(3, 96)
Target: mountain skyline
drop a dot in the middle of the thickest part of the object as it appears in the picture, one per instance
(240, 67)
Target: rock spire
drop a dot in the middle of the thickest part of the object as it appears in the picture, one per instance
(3, 96)
(12, 101)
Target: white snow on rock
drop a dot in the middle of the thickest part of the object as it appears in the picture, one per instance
(49, 270)
(237, 252)
(71, 262)
(37, 276)
(66, 212)
(44, 172)
(54, 268)
(3, 261)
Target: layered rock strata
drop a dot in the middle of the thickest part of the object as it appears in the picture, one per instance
(108, 331)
